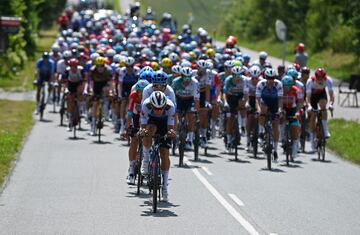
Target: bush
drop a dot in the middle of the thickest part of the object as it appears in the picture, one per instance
(342, 38)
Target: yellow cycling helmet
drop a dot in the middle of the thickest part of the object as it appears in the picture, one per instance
(155, 66)
(210, 52)
(192, 55)
(100, 61)
(208, 45)
(166, 62)
(122, 63)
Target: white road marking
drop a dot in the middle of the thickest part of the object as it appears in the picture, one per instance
(273, 234)
(223, 202)
(206, 170)
(236, 199)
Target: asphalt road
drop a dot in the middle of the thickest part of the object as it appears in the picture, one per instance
(65, 186)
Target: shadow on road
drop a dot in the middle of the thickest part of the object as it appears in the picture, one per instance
(161, 212)
(238, 160)
(76, 138)
(325, 161)
(46, 120)
(275, 170)
(102, 142)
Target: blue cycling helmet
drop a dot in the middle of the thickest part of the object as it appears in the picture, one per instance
(141, 84)
(246, 57)
(130, 46)
(159, 77)
(293, 73)
(103, 41)
(146, 68)
(147, 75)
(287, 81)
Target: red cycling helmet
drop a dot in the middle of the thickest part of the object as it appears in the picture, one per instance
(73, 62)
(229, 43)
(233, 38)
(320, 73)
(300, 47)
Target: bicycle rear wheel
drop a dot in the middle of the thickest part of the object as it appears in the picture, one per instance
(268, 148)
(138, 169)
(196, 140)
(182, 137)
(155, 187)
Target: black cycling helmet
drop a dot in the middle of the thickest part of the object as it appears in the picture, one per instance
(45, 55)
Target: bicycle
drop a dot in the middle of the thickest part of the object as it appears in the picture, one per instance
(196, 141)
(42, 103)
(288, 141)
(63, 108)
(268, 144)
(154, 178)
(182, 137)
(320, 138)
(76, 118)
(236, 137)
(254, 132)
(303, 134)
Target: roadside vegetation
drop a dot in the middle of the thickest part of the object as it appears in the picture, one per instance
(16, 121)
(329, 29)
(344, 139)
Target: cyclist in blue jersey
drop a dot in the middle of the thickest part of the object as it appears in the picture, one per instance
(269, 93)
(45, 71)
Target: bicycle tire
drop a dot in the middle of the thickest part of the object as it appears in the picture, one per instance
(254, 137)
(196, 139)
(138, 169)
(287, 145)
(155, 187)
(182, 138)
(268, 148)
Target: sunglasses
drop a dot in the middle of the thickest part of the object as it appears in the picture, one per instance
(159, 86)
(100, 65)
(158, 109)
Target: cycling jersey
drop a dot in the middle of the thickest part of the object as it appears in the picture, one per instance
(134, 103)
(104, 76)
(169, 92)
(45, 70)
(74, 77)
(251, 87)
(128, 80)
(301, 87)
(231, 88)
(189, 91)
(291, 97)
(204, 80)
(269, 95)
(314, 86)
(147, 112)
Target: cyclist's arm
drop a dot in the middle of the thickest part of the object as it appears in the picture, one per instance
(329, 85)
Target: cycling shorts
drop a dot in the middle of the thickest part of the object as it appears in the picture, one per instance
(233, 101)
(315, 98)
(98, 87)
(73, 86)
(161, 129)
(184, 104)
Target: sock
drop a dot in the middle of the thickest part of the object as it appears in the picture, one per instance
(202, 132)
(131, 167)
(228, 136)
(295, 147)
(190, 136)
(243, 121)
(261, 129)
(146, 154)
(275, 146)
(165, 175)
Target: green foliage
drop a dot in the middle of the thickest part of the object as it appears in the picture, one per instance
(22, 45)
(321, 24)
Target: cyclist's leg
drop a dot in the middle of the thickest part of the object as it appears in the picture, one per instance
(314, 100)
(214, 116)
(191, 126)
(243, 114)
(324, 116)
(147, 141)
(275, 130)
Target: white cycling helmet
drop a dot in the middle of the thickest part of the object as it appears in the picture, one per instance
(93, 56)
(117, 58)
(176, 69)
(67, 54)
(202, 64)
(263, 55)
(55, 48)
(237, 70)
(209, 64)
(110, 52)
(186, 71)
(270, 73)
(255, 71)
(229, 63)
(158, 99)
(129, 61)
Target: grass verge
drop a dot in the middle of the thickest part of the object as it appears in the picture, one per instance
(344, 139)
(25, 77)
(15, 122)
